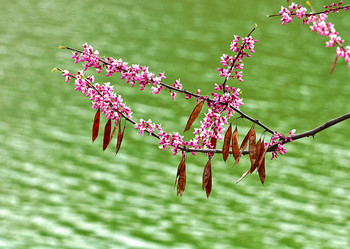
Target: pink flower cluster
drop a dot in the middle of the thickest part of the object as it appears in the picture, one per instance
(176, 85)
(234, 63)
(173, 141)
(280, 139)
(318, 24)
(229, 100)
(344, 53)
(167, 141)
(325, 29)
(287, 14)
(133, 74)
(102, 96)
(219, 112)
(211, 127)
(148, 126)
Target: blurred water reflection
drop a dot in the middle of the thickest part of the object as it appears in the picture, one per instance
(59, 191)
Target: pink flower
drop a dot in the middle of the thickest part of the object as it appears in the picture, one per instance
(279, 139)
(168, 141)
(134, 74)
(176, 85)
(291, 133)
(148, 126)
(286, 16)
(235, 46)
(344, 53)
(67, 75)
(227, 71)
(102, 96)
(249, 43)
(293, 6)
(76, 57)
(300, 12)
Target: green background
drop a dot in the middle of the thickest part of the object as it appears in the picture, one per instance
(57, 190)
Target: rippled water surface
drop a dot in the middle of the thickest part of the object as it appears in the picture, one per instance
(57, 190)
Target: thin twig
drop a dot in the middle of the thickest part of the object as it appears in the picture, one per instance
(326, 125)
(315, 13)
(314, 131)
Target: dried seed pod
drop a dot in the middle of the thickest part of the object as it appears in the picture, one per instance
(245, 141)
(261, 164)
(96, 125)
(180, 179)
(252, 147)
(235, 149)
(107, 134)
(114, 130)
(257, 157)
(263, 151)
(243, 145)
(194, 115)
(333, 66)
(120, 137)
(178, 170)
(207, 178)
(261, 171)
(227, 141)
(213, 141)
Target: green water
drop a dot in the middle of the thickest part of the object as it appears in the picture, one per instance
(57, 190)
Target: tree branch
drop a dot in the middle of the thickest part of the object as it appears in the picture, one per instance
(317, 13)
(309, 133)
(272, 148)
(243, 115)
(326, 125)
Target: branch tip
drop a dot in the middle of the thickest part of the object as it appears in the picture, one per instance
(62, 47)
(54, 70)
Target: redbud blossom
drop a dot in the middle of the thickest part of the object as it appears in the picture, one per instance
(227, 61)
(318, 24)
(134, 74)
(102, 96)
(279, 139)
